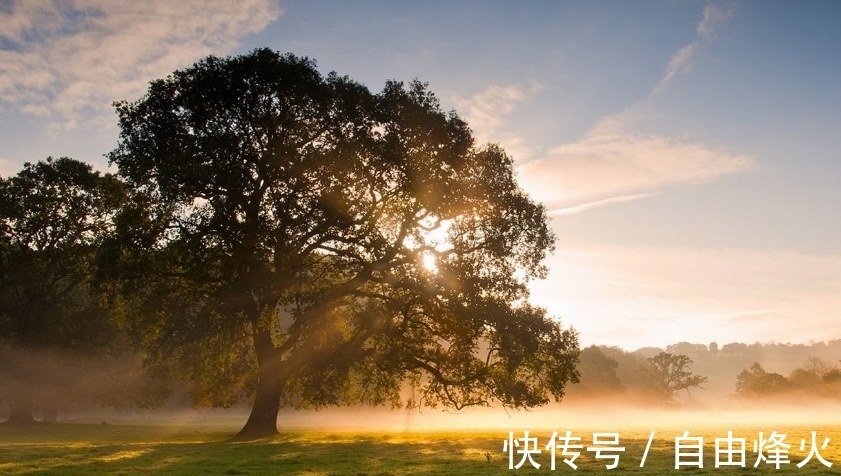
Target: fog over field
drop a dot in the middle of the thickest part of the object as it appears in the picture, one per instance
(593, 403)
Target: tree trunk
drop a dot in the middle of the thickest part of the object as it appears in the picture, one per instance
(49, 408)
(262, 422)
(50, 414)
(21, 410)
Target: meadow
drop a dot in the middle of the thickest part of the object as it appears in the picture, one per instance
(128, 447)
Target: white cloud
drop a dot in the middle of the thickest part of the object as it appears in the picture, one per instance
(70, 58)
(647, 295)
(612, 164)
(598, 203)
(681, 62)
(486, 110)
(609, 162)
(487, 114)
(713, 17)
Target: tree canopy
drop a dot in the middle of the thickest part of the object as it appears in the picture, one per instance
(54, 214)
(816, 378)
(296, 234)
(598, 377)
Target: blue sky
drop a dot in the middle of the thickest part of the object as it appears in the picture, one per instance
(690, 152)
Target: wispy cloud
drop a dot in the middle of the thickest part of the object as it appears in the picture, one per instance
(610, 163)
(652, 295)
(68, 59)
(488, 111)
(598, 203)
(681, 62)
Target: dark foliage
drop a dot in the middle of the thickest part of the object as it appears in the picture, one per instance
(56, 337)
(297, 234)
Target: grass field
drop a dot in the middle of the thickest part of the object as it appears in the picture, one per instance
(129, 448)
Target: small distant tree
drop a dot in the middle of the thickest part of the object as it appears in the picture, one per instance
(817, 366)
(669, 374)
(804, 379)
(832, 376)
(598, 374)
(757, 382)
(627, 371)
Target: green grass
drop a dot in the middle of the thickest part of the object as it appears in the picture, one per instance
(129, 449)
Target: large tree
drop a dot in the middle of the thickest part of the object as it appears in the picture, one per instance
(54, 215)
(301, 236)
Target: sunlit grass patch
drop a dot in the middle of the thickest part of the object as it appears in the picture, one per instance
(65, 449)
(121, 455)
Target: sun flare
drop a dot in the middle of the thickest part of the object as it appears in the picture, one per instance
(430, 263)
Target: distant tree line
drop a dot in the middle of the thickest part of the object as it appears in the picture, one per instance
(727, 371)
(613, 373)
(816, 378)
